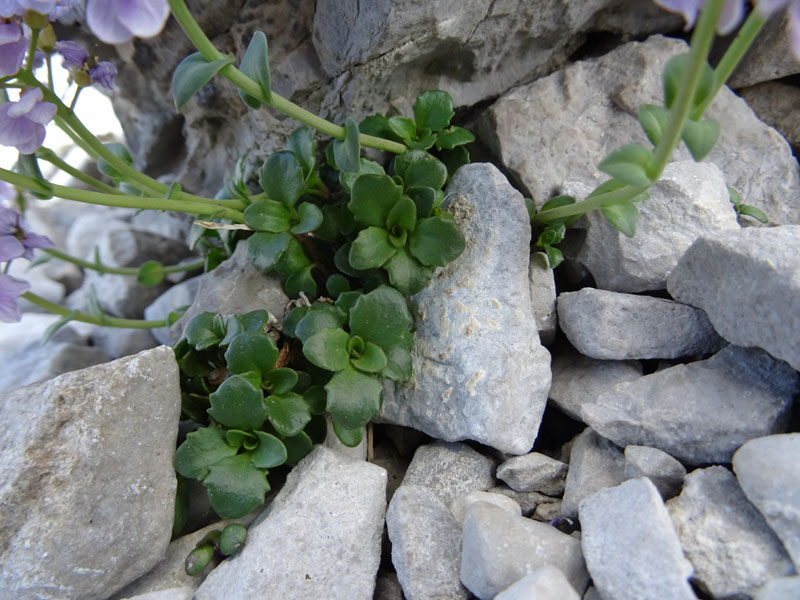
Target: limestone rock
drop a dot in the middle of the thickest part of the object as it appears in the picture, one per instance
(631, 549)
(319, 538)
(769, 57)
(666, 473)
(480, 372)
(700, 412)
(426, 544)
(546, 583)
(461, 505)
(87, 488)
(781, 588)
(774, 103)
(543, 297)
(534, 472)
(760, 267)
(613, 326)
(726, 539)
(769, 473)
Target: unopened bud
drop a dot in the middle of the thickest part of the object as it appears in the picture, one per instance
(199, 559)
(81, 78)
(35, 20)
(232, 539)
(47, 39)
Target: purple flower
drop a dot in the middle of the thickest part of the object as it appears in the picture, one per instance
(104, 74)
(15, 242)
(61, 8)
(76, 58)
(11, 288)
(22, 122)
(10, 8)
(74, 54)
(117, 21)
(12, 48)
(731, 16)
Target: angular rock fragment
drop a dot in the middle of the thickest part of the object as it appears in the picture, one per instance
(545, 583)
(461, 505)
(748, 283)
(701, 412)
(87, 488)
(660, 468)
(595, 463)
(498, 549)
(613, 326)
(774, 102)
(726, 539)
(781, 588)
(578, 380)
(426, 544)
(319, 538)
(480, 372)
(528, 501)
(534, 472)
(543, 297)
(631, 549)
(768, 471)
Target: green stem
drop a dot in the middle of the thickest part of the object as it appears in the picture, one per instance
(252, 88)
(620, 196)
(75, 137)
(49, 62)
(68, 193)
(84, 318)
(735, 52)
(75, 98)
(32, 51)
(101, 268)
(48, 155)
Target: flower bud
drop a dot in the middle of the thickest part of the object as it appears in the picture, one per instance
(199, 559)
(35, 20)
(47, 39)
(81, 78)
(232, 539)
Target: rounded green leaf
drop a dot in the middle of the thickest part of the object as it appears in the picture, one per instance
(346, 300)
(319, 316)
(204, 330)
(424, 199)
(433, 109)
(236, 438)
(349, 437)
(371, 249)
(237, 404)
(353, 398)
(297, 447)
(406, 273)
(398, 357)
(232, 539)
(372, 197)
(293, 259)
(402, 215)
(235, 486)
(672, 77)
(268, 215)
(309, 218)
(282, 178)
(265, 249)
(428, 172)
(191, 74)
(347, 152)
(288, 413)
(337, 284)
(453, 136)
(281, 380)
(251, 351)
(653, 120)
(371, 360)
(150, 273)
(454, 159)
(381, 317)
(700, 137)
(270, 451)
(201, 449)
(328, 349)
(436, 241)
(628, 164)
(403, 127)
(302, 281)
(624, 217)
(301, 144)
(316, 398)
(255, 64)
(366, 166)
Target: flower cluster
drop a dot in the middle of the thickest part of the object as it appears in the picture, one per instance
(86, 69)
(15, 242)
(22, 122)
(734, 10)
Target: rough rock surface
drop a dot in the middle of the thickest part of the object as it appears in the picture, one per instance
(774, 103)
(595, 463)
(578, 380)
(534, 472)
(498, 549)
(613, 326)
(545, 583)
(781, 588)
(543, 297)
(768, 58)
(769, 473)
(461, 505)
(234, 287)
(726, 539)
(426, 544)
(480, 372)
(36, 362)
(701, 412)
(558, 128)
(666, 473)
(87, 488)
(631, 549)
(319, 538)
(760, 267)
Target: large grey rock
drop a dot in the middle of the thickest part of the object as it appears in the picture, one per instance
(545, 583)
(700, 412)
(534, 129)
(543, 297)
(426, 544)
(768, 58)
(450, 470)
(595, 463)
(782, 588)
(499, 548)
(37, 362)
(534, 472)
(666, 473)
(480, 372)
(234, 287)
(319, 538)
(775, 103)
(769, 473)
(726, 539)
(87, 488)
(614, 326)
(760, 267)
(631, 549)
(578, 380)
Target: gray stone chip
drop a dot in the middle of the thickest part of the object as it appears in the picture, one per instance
(663, 470)
(534, 472)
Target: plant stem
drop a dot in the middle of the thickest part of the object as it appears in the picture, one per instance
(84, 318)
(48, 155)
(620, 196)
(252, 88)
(101, 268)
(68, 193)
(32, 51)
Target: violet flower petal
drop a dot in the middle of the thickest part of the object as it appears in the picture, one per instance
(74, 54)
(794, 27)
(104, 74)
(688, 8)
(12, 48)
(10, 248)
(11, 289)
(117, 21)
(35, 240)
(9, 220)
(27, 100)
(731, 16)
